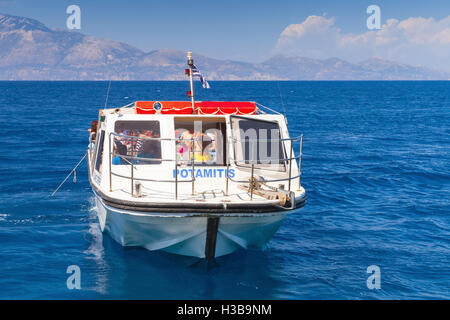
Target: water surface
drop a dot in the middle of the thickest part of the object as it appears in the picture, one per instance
(376, 167)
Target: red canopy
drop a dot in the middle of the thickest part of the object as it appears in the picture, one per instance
(227, 107)
(203, 107)
(168, 107)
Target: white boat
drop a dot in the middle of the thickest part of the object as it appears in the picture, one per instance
(196, 178)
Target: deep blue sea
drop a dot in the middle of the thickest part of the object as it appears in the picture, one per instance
(376, 167)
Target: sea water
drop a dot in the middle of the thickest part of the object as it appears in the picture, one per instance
(376, 167)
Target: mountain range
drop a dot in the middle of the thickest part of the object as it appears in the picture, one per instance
(29, 50)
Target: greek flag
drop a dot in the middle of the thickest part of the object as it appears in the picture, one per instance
(196, 72)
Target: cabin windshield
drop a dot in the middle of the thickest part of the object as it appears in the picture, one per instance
(202, 140)
(140, 140)
(258, 142)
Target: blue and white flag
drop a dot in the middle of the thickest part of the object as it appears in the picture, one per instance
(196, 72)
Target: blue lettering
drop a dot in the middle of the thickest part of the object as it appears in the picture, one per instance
(204, 173)
(207, 173)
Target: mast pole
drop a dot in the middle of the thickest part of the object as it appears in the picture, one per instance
(190, 64)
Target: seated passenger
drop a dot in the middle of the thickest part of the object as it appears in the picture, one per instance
(184, 143)
(210, 149)
(93, 130)
(93, 133)
(150, 149)
(119, 150)
(140, 144)
(198, 149)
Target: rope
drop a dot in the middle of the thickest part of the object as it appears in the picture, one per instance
(70, 173)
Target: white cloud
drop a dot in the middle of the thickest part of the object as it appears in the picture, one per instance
(311, 38)
(312, 24)
(416, 40)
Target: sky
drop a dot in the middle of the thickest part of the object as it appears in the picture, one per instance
(413, 32)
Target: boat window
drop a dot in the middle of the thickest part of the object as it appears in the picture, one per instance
(202, 140)
(98, 161)
(258, 142)
(141, 142)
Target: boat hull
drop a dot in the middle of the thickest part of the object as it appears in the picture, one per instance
(187, 233)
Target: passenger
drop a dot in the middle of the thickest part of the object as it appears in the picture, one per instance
(198, 150)
(119, 150)
(140, 144)
(132, 143)
(93, 131)
(149, 134)
(181, 149)
(150, 149)
(186, 137)
(184, 144)
(210, 149)
(125, 140)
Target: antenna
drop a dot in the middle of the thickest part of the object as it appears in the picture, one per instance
(107, 94)
(282, 102)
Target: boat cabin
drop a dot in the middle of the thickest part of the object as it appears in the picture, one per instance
(212, 155)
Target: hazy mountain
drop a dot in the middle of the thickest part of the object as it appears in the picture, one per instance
(378, 68)
(31, 51)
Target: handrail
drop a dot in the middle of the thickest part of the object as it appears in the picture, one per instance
(148, 138)
(150, 180)
(272, 180)
(268, 140)
(267, 108)
(193, 139)
(284, 139)
(191, 162)
(280, 160)
(171, 160)
(133, 157)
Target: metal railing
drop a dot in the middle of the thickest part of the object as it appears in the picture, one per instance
(131, 158)
(281, 160)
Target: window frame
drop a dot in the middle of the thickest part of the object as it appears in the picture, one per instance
(159, 141)
(222, 121)
(241, 163)
(99, 153)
